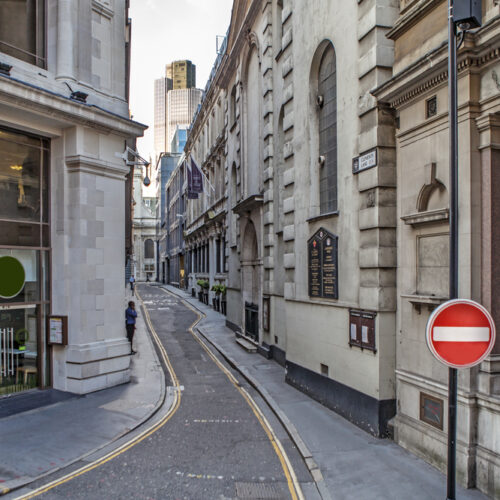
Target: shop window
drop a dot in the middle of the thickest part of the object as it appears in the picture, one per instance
(24, 172)
(362, 330)
(25, 38)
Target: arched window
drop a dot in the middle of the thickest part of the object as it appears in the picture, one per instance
(327, 118)
(253, 136)
(149, 249)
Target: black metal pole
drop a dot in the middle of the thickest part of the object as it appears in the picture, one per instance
(453, 117)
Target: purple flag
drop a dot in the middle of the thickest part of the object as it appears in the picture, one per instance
(190, 193)
(196, 177)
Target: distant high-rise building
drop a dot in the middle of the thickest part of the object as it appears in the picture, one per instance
(176, 101)
(182, 74)
(162, 86)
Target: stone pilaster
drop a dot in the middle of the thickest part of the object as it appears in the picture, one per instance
(288, 222)
(268, 155)
(377, 186)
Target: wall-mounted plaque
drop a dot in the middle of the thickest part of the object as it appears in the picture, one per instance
(57, 330)
(322, 261)
(431, 410)
(362, 329)
(364, 161)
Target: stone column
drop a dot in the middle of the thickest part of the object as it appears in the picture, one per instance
(66, 49)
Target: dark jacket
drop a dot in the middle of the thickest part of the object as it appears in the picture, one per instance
(130, 315)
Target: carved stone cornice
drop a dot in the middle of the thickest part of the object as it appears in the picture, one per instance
(20, 94)
(431, 71)
(96, 166)
(411, 15)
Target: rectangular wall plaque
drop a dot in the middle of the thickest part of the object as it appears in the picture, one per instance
(322, 261)
(364, 161)
(57, 330)
(431, 410)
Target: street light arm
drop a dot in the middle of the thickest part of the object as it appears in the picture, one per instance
(141, 162)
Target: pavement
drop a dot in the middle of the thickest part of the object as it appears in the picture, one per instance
(66, 428)
(344, 461)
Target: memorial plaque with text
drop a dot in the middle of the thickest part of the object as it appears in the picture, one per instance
(323, 265)
(315, 289)
(330, 267)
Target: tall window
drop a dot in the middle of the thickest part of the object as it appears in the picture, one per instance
(327, 115)
(279, 25)
(149, 249)
(232, 107)
(22, 30)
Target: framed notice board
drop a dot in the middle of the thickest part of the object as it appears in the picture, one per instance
(57, 330)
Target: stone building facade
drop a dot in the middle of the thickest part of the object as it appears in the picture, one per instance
(286, 132)
(417, 94)
(63, 115)
(206, 216)
(173, 257)
(334, 143)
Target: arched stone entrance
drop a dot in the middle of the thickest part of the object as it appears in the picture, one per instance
(250, 286)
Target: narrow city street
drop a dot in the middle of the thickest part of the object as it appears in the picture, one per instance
(215, 445)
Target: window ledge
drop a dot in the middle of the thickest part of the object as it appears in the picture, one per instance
(431, 301)
(363, 347)
(323, 216)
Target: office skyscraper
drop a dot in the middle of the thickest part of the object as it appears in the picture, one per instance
(176, 101)
(182, 74)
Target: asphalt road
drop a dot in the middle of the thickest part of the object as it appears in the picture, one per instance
(213, 447)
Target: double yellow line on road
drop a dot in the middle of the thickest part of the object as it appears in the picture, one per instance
(137, 439)
(292, 482)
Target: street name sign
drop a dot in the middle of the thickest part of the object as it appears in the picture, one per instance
(460, 333)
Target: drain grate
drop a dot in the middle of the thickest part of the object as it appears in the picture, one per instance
(259, 491)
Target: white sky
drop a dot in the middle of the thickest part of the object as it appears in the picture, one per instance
(168, 30)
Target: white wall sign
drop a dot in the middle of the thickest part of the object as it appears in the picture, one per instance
(365, 161)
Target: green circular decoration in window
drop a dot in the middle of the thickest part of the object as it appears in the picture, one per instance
(12, 277)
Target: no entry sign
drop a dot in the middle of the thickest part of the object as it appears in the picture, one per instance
(460, 333)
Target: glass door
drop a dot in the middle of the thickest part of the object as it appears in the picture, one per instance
(19, 332)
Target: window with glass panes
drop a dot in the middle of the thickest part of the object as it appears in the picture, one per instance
(327, 115)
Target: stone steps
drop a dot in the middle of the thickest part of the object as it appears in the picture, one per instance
(246, 344)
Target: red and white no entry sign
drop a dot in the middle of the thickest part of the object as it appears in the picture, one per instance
(460, 333)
